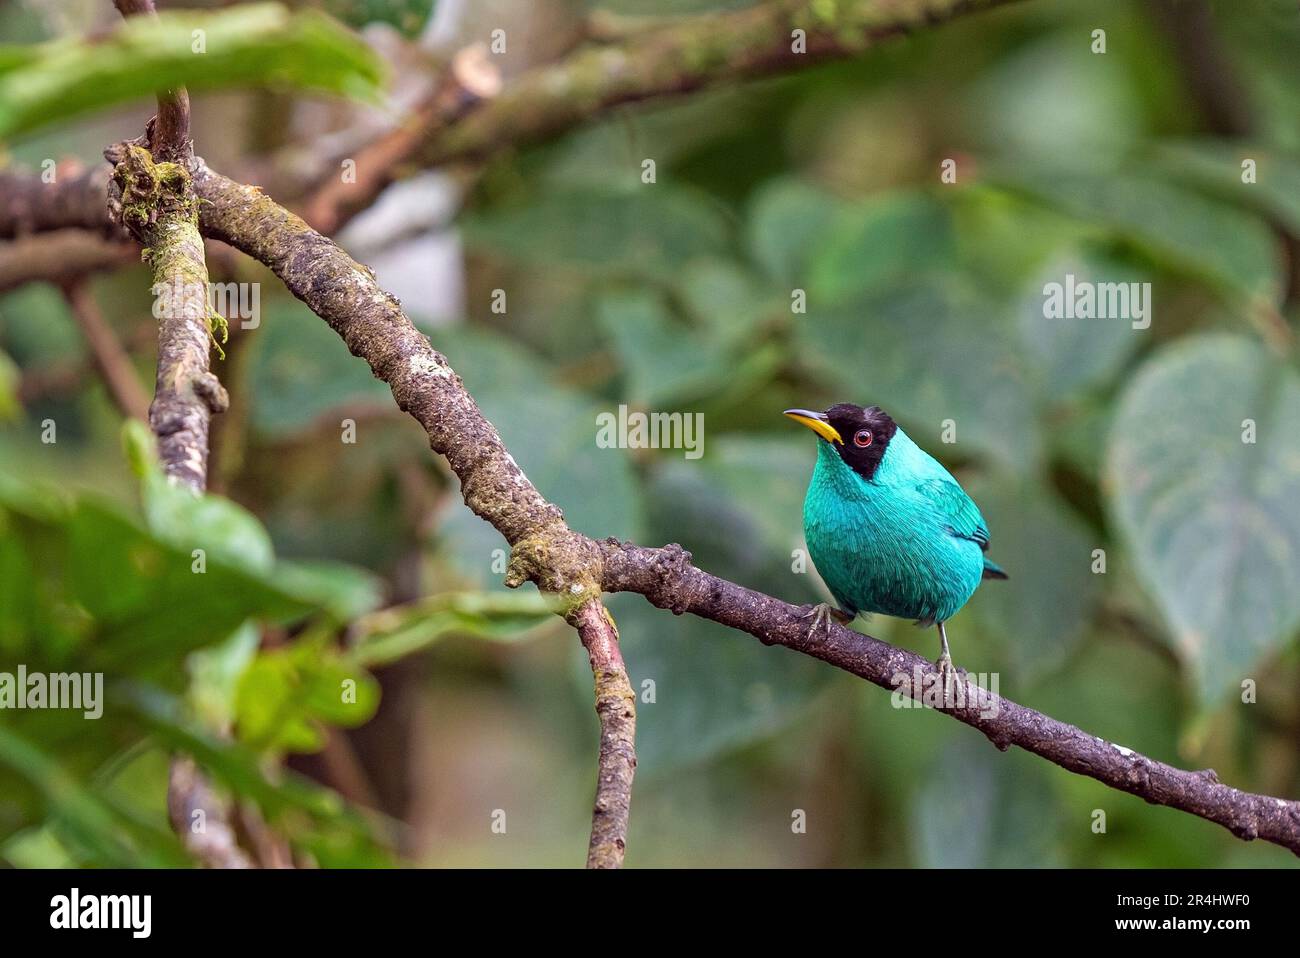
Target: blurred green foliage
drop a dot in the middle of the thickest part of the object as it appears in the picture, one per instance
(246, 46)
(679, 295)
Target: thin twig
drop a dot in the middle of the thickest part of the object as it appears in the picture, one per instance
(153, 197)
(198, 816)
(169, 138)
(110, 359)
(616, 707)
(62, 256)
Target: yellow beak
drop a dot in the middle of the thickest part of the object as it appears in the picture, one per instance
(816, 421)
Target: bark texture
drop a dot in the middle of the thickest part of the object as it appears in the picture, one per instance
(156, 202)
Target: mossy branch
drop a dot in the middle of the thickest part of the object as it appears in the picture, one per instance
(667, 59)
(153, 197)
(156, 202)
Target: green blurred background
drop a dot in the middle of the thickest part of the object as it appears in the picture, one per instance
(357, 561)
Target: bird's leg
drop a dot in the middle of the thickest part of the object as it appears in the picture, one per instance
(945, 666)
(822, 614)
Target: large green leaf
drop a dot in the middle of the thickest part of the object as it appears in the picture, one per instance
(1070, 354)
(87, 588)
(663, 358)
(1212, 518)
(870, 246)
(1225, 246)
(228, 532)
(83, 579)
(243, 46)
(928, 352)
(408, 16)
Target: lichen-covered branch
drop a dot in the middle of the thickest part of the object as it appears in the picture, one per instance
(678, 57)
(152, 196)
(468, 115)
(546, 551)
(689, 53)
(616, 707)
(156, 202)
(344, 293)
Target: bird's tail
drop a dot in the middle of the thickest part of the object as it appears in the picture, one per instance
(993, 571)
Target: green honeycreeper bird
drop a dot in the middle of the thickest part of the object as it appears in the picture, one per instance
(888, 528)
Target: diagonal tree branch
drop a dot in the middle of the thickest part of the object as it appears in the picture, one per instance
(558, 560)
(372, 323)
(667, 579)
(683, 55)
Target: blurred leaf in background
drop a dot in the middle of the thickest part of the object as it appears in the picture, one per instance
(244, 46)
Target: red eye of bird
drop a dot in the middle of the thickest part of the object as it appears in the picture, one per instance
(862, 438)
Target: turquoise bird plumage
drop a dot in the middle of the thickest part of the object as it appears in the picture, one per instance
(888, 528)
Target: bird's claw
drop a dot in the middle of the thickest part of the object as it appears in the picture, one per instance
(947, 674)
(822, 615)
